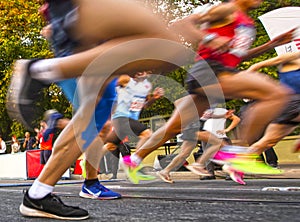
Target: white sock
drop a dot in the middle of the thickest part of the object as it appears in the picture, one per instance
(46, 70)
(39, 190)
(136, 159)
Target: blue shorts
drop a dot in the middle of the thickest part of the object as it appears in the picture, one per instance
(104, 107)
(63, 45)
(291, 79)
(101, 115)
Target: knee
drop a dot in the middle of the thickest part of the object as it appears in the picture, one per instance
(281, 92)
(146, 134)
(271, 142)
(264, 144)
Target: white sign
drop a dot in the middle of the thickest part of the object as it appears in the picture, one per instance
(280, 21)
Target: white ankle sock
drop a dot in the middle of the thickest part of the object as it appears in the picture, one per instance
(136, 159)
(46, 70)
(39, 190)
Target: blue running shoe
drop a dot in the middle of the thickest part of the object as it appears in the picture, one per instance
(98, 191)
(51, 117)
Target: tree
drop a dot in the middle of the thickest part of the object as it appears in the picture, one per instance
(20, 37)
(262, 37)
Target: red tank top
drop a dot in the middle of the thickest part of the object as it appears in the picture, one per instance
(241, 31)
(46, 145)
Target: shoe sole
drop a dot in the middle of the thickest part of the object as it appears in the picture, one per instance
(129, 173)
(134, 175)
(144, 177)
(219, 162)
(89, 196)
(251, 167)
(14, 90)
(236, 178)
(162, 177)
(30, 212)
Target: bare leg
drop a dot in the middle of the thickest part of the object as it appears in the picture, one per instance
(269, 94)
(186, 149)
(60, 160)
(143, 137)
(99, 21)
(68, 147)
(273, 134)
(102, 20)
(91, 172)
(215, 142)
(188, 109)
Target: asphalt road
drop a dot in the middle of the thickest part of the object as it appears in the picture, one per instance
(185, 200)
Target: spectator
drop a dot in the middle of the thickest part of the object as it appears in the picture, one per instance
(29, 142)
(134, 94)
(15, 144)
(36, 145)
(2, 145)
(45, 146)
(218, 127)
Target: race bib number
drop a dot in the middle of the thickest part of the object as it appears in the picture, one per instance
(137, 104)
(244, 37)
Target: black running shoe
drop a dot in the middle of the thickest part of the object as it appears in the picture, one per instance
(22, 94)
(51, 206)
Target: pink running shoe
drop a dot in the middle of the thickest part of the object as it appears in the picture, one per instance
(230, 153)
(133, 172)
(236, 176)
(127, 161)
(222, 157)
(130, 169)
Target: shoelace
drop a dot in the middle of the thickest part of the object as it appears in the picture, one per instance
(56, 198)
(103, 187)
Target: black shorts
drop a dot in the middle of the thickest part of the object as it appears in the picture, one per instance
(290, 112)
(62, 17)
(205, 73)
(44, 156)
(124, 127)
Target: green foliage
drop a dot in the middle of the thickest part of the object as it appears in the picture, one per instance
(17, 129)
(166, 106)
(20, 37)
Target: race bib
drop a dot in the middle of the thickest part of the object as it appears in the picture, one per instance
(244, 37)
(137, 104)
